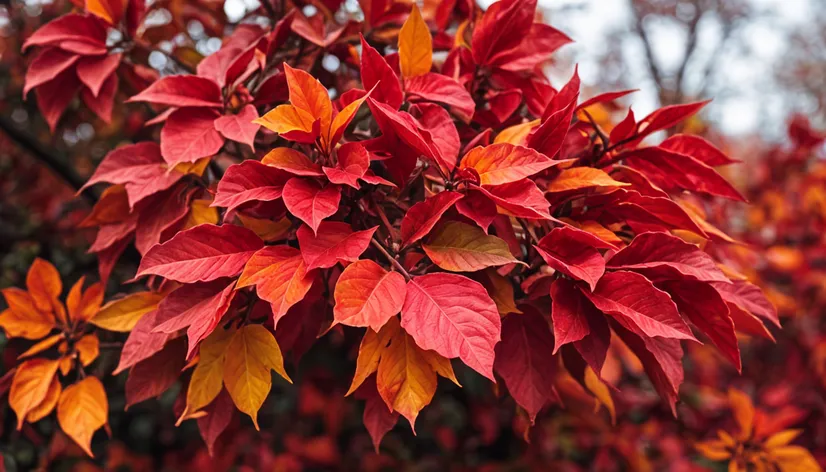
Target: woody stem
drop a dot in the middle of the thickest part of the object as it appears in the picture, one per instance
(390, 258)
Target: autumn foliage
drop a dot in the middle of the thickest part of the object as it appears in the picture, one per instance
(430, 198)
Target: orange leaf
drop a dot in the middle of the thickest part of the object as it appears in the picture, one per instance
(601, 392)
(30, 386)
(582, 177)
(343, 119)
(368, 295)
(82, 410)
(280, 277)
(107, 10)
(504, 163)
(291, 123)
(743, 410)
(292, 161)
(794, 459)
(22, 319)
(370, 349)
(84, 305)
(415, 45)
(307, 94)
(42, 345)
(43, 282)
(88, 348)
(500, 290)
(47, 405)
(406, 377)
(267, 229)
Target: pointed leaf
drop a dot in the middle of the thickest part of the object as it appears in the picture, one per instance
(368, 295)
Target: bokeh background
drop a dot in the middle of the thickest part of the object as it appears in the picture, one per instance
(763, 62)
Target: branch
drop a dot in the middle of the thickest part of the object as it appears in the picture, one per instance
(57, 163)
(390, 258)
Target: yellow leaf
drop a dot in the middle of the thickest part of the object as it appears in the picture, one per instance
(208, 376)
(743, 410)
(601, 392)
(250, 356)
(122, 315)
(370, 349)
(200, 213)
(415, 45)
(30, 386)
(794, 459)
(88, 348)
(268, 230)
(577, 178)
(406, 379)
(82, 410)
(22, 319)
(42, 346)
(196, 168)
(47, 405)
(461, 247)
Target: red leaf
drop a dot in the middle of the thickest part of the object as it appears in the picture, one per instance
(249, 181)
(442, 89)
(201, 254)
(661, 256)
(55, 96)
(182, 91)
(698, 148)
(564, 250)
(166, 210)
(139, 167)
(706, 309)
(497, 30)
(239, 127)
(750, 298)
(479, 208)
(666, 117)
(570, 313)
(376, 72)
(309, 202)
(189, 134)
(353, 162)
(47, 66)
(219, 415)
(198, 307)
(535, 48)
(525, 360)
(102, 104)
(378, 419)
(367, 295)
(662, 360)
(334, 242)
(607, 97)
(549, 137)
(672, 171)
(153, 376)
(437, 125)
(521, 199)
(75, 33)
(142, 342)
(423, 216)
(94, 71)
(453, 316)
(637, 305)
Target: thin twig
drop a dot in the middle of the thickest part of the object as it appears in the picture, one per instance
(390, 258)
